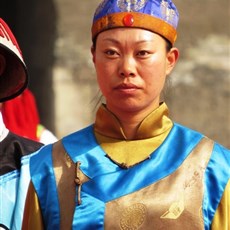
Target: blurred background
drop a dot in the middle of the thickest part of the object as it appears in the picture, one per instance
(54, 36)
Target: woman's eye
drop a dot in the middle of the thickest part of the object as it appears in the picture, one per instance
(110, 52)
(142, 53)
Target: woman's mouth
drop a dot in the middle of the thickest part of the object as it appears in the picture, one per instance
(126, 87)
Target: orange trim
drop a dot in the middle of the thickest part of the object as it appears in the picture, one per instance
(141, 20)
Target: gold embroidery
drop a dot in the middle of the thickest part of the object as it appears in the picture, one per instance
(162, 203)
(133, 217)
(68, 160)
(175, 209)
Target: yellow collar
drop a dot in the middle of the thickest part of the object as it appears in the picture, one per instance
(151, 133)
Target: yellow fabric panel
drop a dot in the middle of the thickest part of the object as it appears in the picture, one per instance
(151, 133)
(221, 219)
(129, 153)
(32, 218)
(108, 125)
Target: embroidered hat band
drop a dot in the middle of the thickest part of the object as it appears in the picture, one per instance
(158, 16)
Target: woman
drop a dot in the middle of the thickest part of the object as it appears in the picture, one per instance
(133, 168)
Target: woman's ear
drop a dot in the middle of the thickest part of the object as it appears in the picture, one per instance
(2, 64)
(172, 57)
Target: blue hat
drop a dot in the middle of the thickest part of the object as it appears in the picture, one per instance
(158, 16)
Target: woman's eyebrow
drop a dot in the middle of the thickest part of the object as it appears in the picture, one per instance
(118, 41)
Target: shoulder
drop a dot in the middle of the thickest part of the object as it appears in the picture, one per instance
(13, 148)
(181, 128)
(189, 134)
(218, 148)
(220, 161)
(23, 145)
(78, 135)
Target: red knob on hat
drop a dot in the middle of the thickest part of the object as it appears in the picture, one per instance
(128, 20)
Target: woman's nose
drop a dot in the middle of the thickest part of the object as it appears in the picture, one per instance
(127, 67)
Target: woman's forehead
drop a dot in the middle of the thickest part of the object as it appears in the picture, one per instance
(132, 34)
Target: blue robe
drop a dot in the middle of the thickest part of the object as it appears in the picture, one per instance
(14, 157)
(178, 187)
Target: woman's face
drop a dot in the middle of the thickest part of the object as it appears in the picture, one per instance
(131, 66)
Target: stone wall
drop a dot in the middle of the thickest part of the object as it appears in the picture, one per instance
(199, 95)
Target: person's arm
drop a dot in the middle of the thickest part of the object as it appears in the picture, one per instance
(221, 219)
(32, 218)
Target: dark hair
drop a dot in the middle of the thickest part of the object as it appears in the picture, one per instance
(168, 45)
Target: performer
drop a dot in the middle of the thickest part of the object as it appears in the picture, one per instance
(134, 168)
(14, 149)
